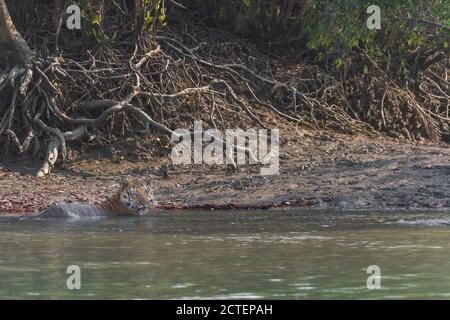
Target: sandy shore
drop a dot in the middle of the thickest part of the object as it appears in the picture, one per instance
(328, 170)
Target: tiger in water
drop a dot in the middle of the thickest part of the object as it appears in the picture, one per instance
(133, 198)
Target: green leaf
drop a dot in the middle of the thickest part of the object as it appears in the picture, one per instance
(339, 63)
(95, 19)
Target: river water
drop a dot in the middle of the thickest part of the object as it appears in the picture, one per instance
(272, 254)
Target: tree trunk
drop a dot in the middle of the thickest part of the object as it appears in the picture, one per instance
(12, 45)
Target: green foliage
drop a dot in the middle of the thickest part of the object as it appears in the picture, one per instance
(403, 71)
(348, 26)
(405, 30)
(155, 14)
(92, 23)
(339, 63)
(326, 26)
(337, 26)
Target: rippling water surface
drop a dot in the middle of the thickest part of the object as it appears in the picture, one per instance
(276, 254)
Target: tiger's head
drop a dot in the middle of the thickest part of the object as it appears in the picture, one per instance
(137, 196)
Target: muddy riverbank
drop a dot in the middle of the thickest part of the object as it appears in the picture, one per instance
(327, 170)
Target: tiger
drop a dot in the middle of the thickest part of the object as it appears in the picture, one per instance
(133, 199)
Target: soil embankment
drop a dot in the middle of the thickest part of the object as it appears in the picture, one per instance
(327, 170)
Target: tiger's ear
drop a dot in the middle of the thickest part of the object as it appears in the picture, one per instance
(147, 183)
(123, 184)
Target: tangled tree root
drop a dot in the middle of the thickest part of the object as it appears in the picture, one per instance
(54, 100)
(31, 104)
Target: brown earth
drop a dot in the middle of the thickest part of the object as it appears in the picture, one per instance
(329, 170)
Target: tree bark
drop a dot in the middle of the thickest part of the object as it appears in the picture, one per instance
(12, 45)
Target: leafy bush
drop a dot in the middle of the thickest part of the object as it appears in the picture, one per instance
(413, 30)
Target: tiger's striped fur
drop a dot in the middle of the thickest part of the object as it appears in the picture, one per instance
(133, 198)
